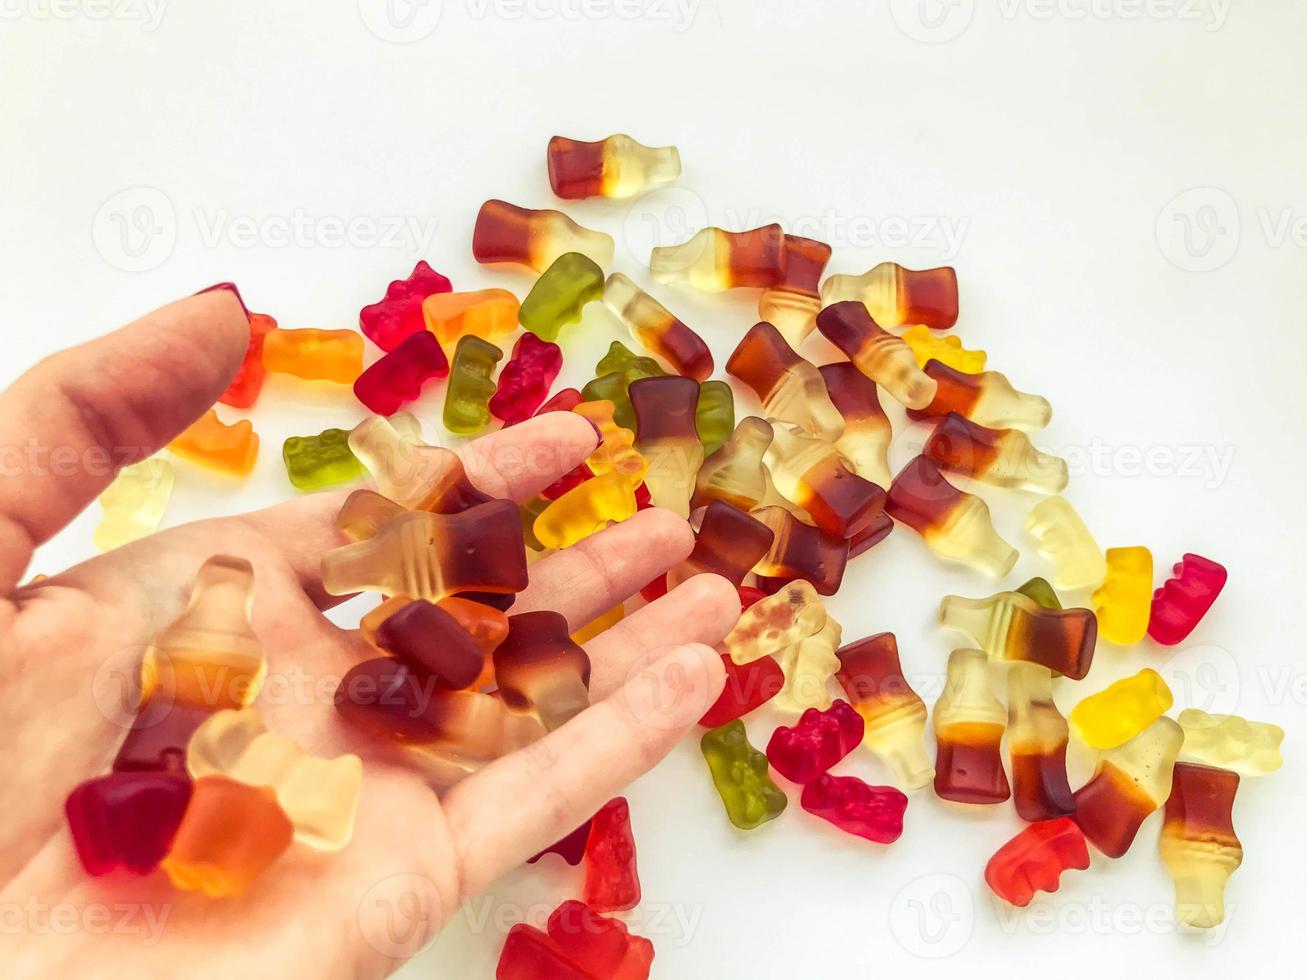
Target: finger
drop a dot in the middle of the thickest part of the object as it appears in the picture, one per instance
(591, 577)
(701, 610)
(526, 801)
(68, 424)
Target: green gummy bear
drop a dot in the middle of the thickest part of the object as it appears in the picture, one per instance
(324, 460)
(628, 364)
(740, 773)
(715, 416)
(559, 295)
(1039, 590)
(470, 386)
(613, 387)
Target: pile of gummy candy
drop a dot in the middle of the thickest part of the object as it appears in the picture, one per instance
(780, 503)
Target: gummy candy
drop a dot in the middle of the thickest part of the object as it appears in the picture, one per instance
(315, 462)
(871, 535)
(429, 639)
(714, 416)
(1198, 843)
(800, 551)
(530, 954)
(616, 452)
(1037, 742)
(895, 296)
(230, 835)
(871, 812)
(666, 436)
(568, 482)
(653, 326)
(570, 848)
(866, 439)
(399, 376)
(969, 723)
(894, 713)
(1011, 626)
(245, 387)
(792, 304)
(748, 686)
(410, 473)
(1042, 592)
(1124, 601)
(714, 260)
(740, 774)
(209, 656)
(507, 233)
(808, 667)
(315, 355)
(398, 315)
(160, 732)
(600, 624)
(319, 796)
(811, 473)
(490, 314)
(734, 473)
(986, 398)
(134, 503)
(612, 879)
(776, 623)
(126, 819)
(584, 510)
(816, 743)
(1129, 783)
(1181, 603)
(955, 525)
(230, 449)
(790, 388)
(541, 670)
(1066, 542)
(616, 166)
(1033, 860)
(999, 457)
(947, 350)
(563, 401)
(1251, 748)
(729, 543)
(526, 378)
(560, 294)
(430, 556)
(600, 945)
(1121, 710)
(878, 354)
(626, 362)
(467, 399)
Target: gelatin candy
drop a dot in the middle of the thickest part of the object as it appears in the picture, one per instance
(1129, 783)
(541, 670)
(560, 294)
(877, 353)
(467, 399)
(867, 436)
(740, 774)
(324, 460)
(1121, 710)
(987, 398)
(1033, 860)
(776, 623)
(894, 713)
(230, 449)
(714, 416)
(134, 503)
(490, 314)
(790, 388)
(584, 510)
(656, 329)
(896, 296)
(612, 878)
(526, 378)
(728, 543)
(871, 812)
(666, 436)
(969, 723)
(948, 350)
(814, 745)
(1181, 603)
(792, 304)
(126, 819)
(1198, 843)
(1125, 599)
(998, 457)
(1251, 748)
(801, 552)
(1067, 544)
(811, 473)
(714, 260)
(399, 376)
(507, 233)
(398, 315)
(735, 473)
(808, 667)
(315, 355)
(1011, 626)
(245, 387)
(616, 166)
(1037, 740)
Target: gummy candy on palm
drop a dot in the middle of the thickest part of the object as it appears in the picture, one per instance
(616, 166)
(1067, 544)
(486, 625)
(776, 623)
(948, 350)
(728, 543)
(1121, 710)
(969, 723)
(315, 355)
(490, 314)
(612, 877)
(878, 354)
(560, 294)
(247, 383)
(1125, 599)
(467, 398)
(324, 460)
(1251, 748)
(999, 457)
(656, 329)
(987, 398)
(816, 743)
(160, 732)
(801, 552)
(1129, 783)
(714, 416)
(1198, 843)
(741, 776)
(541, 670)
(126, 820)
(714, 260)
(808, 667)
(1181, 603)
(792, 304)
(134, 503)
(398, 315)
(811, 473)
(399, 376)
(586, 509)
(867, 436)
(430, 640)
(507, 233)
(871, 812)
(1037, 737)
(896, 296)
(735, 473)
(230, 449)
(525, 380)
(665, 434)
(893, 713)
(1034, 860)
(409, 472)
(789, 387)
(1011, 626)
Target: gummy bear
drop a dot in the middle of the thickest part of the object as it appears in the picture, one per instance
(866, 439)
(526, 378)
(1230, 742)
(616, 166)
(399, 376)
(626, 362)
(816, 743)
(1037, 742)
(1129, 782)
(134, 503)
(947, 350)
(896, 296)
(748, 686)
(530, 954)
(324, 460)
(776, 623)
(560, 294)
(245, 387)
(987, 398)
(740, 774)
(315, 355)
(792, 304)
(1124, 600)
(230, 449)
(1011, 626)
(790, 388)
(1198, 843)
(808, 667)
(1066, 542)
(467, 399)
(541, 670)
(600, 945)
(714, 260)
(429, 639)
(657, 329)
(490, 314)
(1033, 860)
(612, 879)
(734, 473)
(1181, 603)
(969, 723)
(126, 819)
(811, 473)
(998, 457)
(507, 233)
(878, 354)
(871, 812)
(398, 315)
(714, 416)
(1121, 710)
(616, 452)
(584, 510)
(666, 436)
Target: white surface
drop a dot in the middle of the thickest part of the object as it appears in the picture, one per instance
(1064, 144)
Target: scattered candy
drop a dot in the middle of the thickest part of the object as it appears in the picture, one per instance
(947, 350)
(230, 449)
(490, 314)
(810, 473)
(896, 296)
(790, 388)
(734, 473)
(408, 472)
(126, 820)
(398, 315)
(1198, 842)
(776, 623)
(666, 436)
(986, 398)
(1011, 626)
(793, 303)
(1122, 710)
(740, 774)
(714, 260)
(1033, 860)
(969, 723)
(871, 812)
(748, 686)
(1123, 602)
(714, 416)
(816, 743)
(617, 167)
(728, 543)
(525, 380)
(560, 294)
(324, 460)
(655, 328)
(1251, 748)
(1037, 741)
(894, 714)
(1180, 604)
(315, 355)
(507, 233)
(801, 552)
(1129, 783)
(467, 399)
(1067, 544)
(612, 880)
(998, 457)
(586, 509)
(867, 436)
(134, 503)
(877, 353)
(540, 669)
(399, 376)
(616, 452)
(245, 387)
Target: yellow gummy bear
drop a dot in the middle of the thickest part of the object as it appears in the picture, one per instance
(1122, 710)
(134, 503)
(947, 350)
(585, 509)
(1124, 601)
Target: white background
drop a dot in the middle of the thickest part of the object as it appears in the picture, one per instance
(1119, 184)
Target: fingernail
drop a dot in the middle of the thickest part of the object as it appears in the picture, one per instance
(599, 435)
(231, 288)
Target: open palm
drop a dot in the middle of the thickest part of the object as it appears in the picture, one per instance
(66, 641)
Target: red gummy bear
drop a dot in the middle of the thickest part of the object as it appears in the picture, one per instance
(747, 686)
(612, 882)
(816, 743)
(1181, 603)
(530, 954)
(525, 380)
(1034, 860)
(126, 819)
(563, 401)
(570, 848)
(399, 314)
(599, 945)
(399, 376)
(244, 389)
(568, 481)
(873, 812)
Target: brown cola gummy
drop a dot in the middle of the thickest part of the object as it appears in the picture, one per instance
(729, 543)
(429, 639)
(800, 551)
(541, 670)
